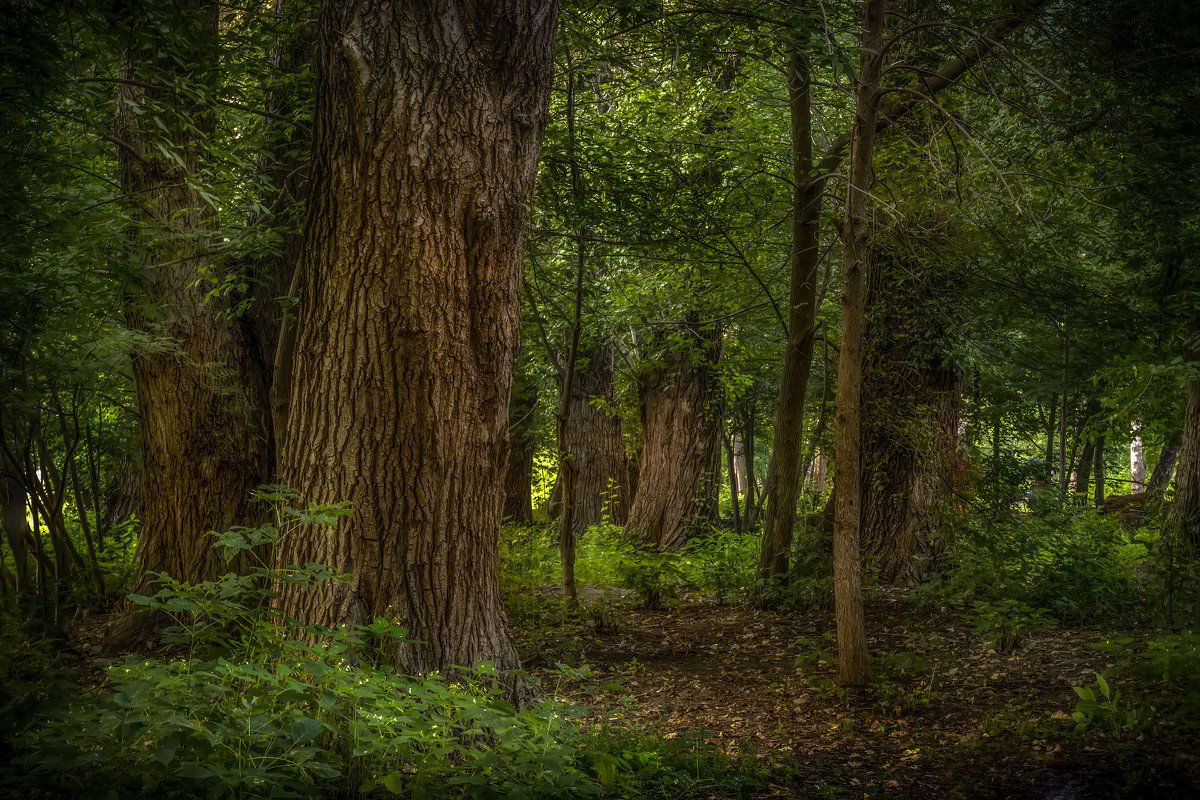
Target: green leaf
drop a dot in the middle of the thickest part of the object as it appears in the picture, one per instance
(165, 754)
(305, 728)
(394, 782)
(606, 769)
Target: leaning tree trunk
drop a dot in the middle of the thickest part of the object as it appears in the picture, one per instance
(783, 471)
(201, 404)
(1164, 468)
(428, 124)
(680, 467)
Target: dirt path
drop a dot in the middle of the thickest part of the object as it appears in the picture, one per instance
(962, 721)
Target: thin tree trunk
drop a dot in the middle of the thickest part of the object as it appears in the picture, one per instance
(1051, 427)
(518, 475)
(783, 471)
(1083, 473)
(997, 504)
(751, 504)
(731, 465)
(428, 126)
(853, 660)
(1062, 424)
(1137, 461)
(568, 467)
(1099, 470)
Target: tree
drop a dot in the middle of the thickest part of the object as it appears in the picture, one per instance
(427, 130)
(680, 465)
(853, 660)
(201, 402)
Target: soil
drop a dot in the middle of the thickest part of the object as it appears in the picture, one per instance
(963, 721)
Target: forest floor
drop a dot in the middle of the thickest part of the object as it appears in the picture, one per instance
(961, 721)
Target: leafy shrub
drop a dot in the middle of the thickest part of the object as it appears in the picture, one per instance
(528, 556)
(263, 707)
(1100, 707)
(608, 557)
(721, 562)
(1171, 660)
(808, 585)
(1075, 567)
(1004, 624)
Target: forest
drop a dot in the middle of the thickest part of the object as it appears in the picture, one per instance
(672, 399)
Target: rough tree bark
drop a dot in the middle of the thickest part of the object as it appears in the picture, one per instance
(680, 466)
(1164, 468)
(853, 660)
(201, 405)
(1182, 532)
(428, 125)
(594, 440)
(910, 449)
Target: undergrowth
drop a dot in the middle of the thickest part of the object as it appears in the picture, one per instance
(255, 705)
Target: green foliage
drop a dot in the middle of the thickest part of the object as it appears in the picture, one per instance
(721, 562)
(718, 561)
(1075, 567)
(903, 682)
(261, 706)
(1004, 624)
(1171, 661)
(808, 586)
(1100, 707)
(33, 669)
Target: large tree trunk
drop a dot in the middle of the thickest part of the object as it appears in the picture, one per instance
(282, 165)
(593, 438)
(428, 125)
(680, 468)
(200, 389)
(910, 449)
(1182, 532)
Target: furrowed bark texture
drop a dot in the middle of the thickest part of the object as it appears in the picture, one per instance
(1164, 468)
(201, 397)
(680, 467)
(428, 125)
(911, 409)
(593, 438)
(1182, 532)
